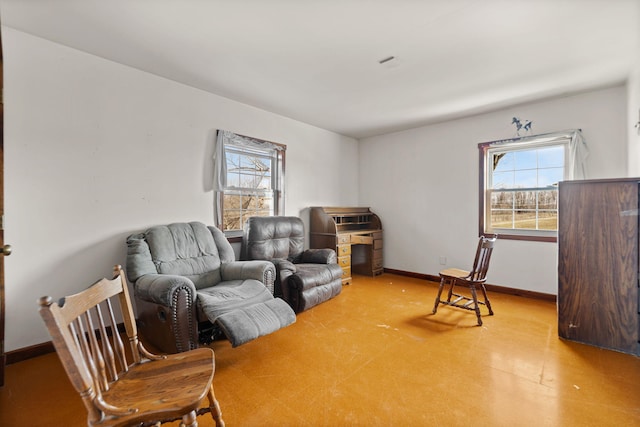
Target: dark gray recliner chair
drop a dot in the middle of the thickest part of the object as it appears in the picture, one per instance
(186, 279)
(304, 278)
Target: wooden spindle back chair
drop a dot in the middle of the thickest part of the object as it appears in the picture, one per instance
(120, 382)
(473, 279)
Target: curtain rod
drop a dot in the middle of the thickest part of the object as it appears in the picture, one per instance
(568, 132)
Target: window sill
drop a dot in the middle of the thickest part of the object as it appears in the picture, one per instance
(234, 239)
(233, 236)
(525, 237)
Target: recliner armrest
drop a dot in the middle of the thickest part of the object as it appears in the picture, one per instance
(160, 288)
(283, 264)
(319, 256)
(284, 270)
(263, 271)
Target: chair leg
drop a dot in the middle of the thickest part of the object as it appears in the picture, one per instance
(475, 301)
(486, 299)
(452, 283)
(435, 306)
(189, 420)
(216, 413)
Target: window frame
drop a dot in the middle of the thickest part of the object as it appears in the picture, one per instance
(486, 150)
(265, 149)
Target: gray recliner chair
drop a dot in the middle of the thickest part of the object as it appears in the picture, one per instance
(304, 278)
(186, 279)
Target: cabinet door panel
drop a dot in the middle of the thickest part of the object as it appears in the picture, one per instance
(598, 264)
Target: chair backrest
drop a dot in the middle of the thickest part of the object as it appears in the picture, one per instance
(483, 256)
(85, 335)
(273, 237)
(189, 249)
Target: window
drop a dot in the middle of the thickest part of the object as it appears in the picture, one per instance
(248, 180)
(519, 183)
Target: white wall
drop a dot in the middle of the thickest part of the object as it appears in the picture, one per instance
(634, 119)
(634, 111)
(423, 183)
(95, 151)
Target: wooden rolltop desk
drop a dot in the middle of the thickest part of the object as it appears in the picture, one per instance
(356, 235)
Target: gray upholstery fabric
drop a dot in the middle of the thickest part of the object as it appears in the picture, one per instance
(311, 275)
(159, 288)
(185, 250)
(227, 255)
(231, 295)
(319, 256)
(304, 278)
(244, 309)
(313, 284)
(241, 326)
(278, 237)
(139, 260)
(200, 260)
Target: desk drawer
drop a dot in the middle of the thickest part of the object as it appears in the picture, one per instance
(344, 261)
(362, 240)
(377, 260)
(346, 272)
(377, 244)
(377, 264)
(344, 250)
(344, 238)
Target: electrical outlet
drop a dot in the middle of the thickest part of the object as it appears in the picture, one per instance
(443, 260)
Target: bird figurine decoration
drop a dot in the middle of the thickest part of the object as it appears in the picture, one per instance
(521, 125)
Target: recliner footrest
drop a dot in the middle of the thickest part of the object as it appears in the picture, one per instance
(246, 324)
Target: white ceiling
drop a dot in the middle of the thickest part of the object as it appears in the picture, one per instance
(318, 61)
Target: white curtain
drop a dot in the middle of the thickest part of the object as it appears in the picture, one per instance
(220, 161)
(578, 153)
(219, 175)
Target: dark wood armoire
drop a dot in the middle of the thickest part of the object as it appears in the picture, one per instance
(598, 262)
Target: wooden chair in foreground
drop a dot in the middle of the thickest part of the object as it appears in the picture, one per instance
(145, 390)
(472, 279)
